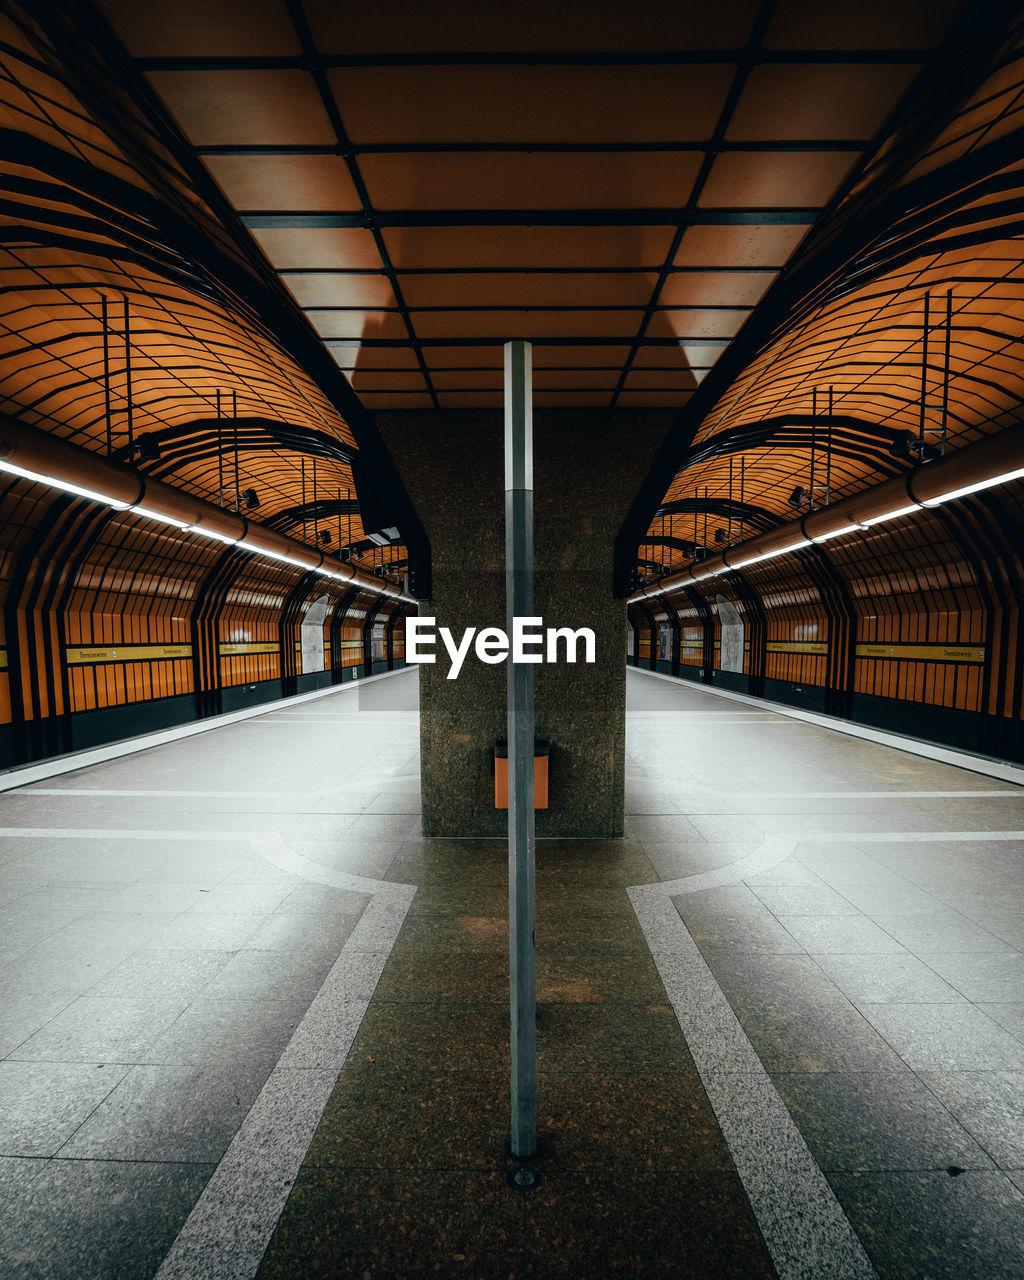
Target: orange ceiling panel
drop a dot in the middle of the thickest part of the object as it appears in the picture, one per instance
(711, 288)
(456, 357)
(530, 180)
(444, 248)
(532, 26)
(389, 380)
(673, 357)
(353, 356)
(869, 24)
(280, 106)
(696, 322)
(503, 325)
(329, 248)
(758, 245)
(357, 324)
(215, 28)
(531, 103)
(389, 400)
(295, 182)
(626, 289)
(568, 357)
(655, 379)
(595, 379)
(772, 179)
(571, 399)
(783, 101)
(340, 289)
(467, 379)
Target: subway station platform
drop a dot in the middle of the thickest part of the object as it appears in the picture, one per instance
(254, 1025)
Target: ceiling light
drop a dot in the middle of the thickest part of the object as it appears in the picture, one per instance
(283, 559)
(1005, 478)
(838, 533)
(892, 515)
(77, 489)
(213, 535)
(139, 510)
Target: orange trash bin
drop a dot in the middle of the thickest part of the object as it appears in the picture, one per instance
(541, 750)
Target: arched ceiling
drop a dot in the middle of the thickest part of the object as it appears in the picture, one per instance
(900, 336)
(734, 209)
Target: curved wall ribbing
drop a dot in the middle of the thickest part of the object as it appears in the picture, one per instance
(915, 626)
(112, 626)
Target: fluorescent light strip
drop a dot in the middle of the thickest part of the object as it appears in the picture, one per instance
(77, 489)
(975, 488)
(160, 519)
(772, 555)
(212, 534)
(283, 559)
(893, 515)
(137, 509)
(838, 533)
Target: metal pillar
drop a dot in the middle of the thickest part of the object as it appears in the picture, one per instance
(519, 604)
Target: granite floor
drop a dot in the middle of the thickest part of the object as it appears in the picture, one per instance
(253, 1023)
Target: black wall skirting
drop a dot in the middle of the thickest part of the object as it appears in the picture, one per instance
(810, 697)
(240, 696)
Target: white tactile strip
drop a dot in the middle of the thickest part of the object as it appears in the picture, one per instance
(230, 1226)
(805, 1229)
(228, 1230)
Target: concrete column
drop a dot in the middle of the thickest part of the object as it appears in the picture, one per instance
(588, 466)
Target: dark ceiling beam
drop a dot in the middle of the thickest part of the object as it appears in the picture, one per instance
(799, 217)
(760, 518)
(626, 58)
(717, 268)
(441, 147)
(561, 340)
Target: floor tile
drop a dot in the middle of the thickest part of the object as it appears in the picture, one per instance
(982, 976)
(43, 1103)
(178, 1114)
(931, 1226)
(888, 979)
(946, 1037)
(990, 1105)
(387, 1223)
(96, 1220)
(102, 1029)
(840, 935)
(856, 1121)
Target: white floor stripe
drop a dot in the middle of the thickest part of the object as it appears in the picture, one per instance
(229, 1229)
(804, 1226)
